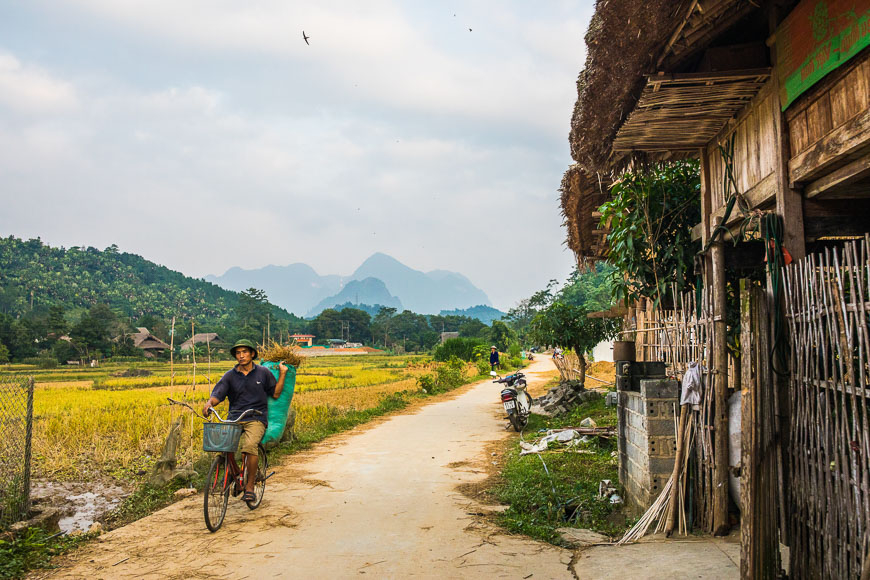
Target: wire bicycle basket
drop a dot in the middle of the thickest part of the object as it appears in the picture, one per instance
(221, 436)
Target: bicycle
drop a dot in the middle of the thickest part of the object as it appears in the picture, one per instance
(224, 477)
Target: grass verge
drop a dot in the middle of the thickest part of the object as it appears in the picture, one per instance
(33, 548)
(565, 492)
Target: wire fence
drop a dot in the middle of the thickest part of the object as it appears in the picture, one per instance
(16, 429)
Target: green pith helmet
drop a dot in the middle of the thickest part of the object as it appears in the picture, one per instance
(243, 342)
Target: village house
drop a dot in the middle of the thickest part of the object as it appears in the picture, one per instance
(772, 99)
(150, 344)
(210, 339)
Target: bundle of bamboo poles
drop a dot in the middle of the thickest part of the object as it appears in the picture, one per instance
(669, 509)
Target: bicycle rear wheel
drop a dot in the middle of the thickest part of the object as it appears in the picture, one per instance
(216, 492)
(260, 485)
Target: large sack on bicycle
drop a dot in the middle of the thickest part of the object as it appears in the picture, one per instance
(279, 408)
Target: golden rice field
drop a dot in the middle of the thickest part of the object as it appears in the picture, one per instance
(82, 433)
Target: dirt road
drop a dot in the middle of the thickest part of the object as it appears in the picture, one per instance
(380, 501)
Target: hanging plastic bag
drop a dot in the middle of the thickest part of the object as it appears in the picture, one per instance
(691, 394)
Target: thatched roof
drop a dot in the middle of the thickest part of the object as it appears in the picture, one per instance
(146, 341)
(639, 97)
(201, 338)
(582, 195)
(626, 41)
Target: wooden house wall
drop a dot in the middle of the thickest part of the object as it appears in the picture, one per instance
(754, 154)
(829, 126)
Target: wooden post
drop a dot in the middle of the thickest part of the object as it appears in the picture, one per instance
(706, 196)
(193, 351)
(640, 337)
(172, 353)
(789, 202)
(720, 525)
(748, 477)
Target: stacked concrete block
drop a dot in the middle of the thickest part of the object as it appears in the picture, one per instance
(647, 440)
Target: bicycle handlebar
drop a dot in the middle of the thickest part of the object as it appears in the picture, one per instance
(213, 410)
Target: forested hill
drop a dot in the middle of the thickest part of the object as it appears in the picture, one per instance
(34, 276)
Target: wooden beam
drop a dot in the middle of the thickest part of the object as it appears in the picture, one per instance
(854, 171)
(850, 139)
(727, 75)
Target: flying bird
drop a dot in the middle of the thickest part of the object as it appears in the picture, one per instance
(469, 30)
(305, 38)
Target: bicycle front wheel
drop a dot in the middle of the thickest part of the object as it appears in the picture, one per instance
(260, 485)
(216, 492)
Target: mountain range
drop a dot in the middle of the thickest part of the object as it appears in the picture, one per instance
(380, 279)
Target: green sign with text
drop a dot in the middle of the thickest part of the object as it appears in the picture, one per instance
(817, 37)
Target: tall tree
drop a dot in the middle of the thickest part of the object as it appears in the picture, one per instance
(358, 322)
(381, 324)
(57, 323)
(253, 308)
(501, 335)
(94, 330)
(568, 326)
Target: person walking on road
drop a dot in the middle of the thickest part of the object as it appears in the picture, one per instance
(493, 357)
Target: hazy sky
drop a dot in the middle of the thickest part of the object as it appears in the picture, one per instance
(206, 134)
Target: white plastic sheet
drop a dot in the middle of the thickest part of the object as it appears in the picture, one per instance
(691, 393)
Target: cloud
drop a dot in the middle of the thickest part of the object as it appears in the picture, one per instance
(29, 89)
(232, 143)
(378, 52)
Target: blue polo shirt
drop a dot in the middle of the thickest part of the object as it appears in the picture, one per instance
(251, 391)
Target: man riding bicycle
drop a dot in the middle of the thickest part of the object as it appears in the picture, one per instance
(248, 386)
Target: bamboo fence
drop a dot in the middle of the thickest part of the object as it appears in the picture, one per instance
(678, 336)
(827, 307)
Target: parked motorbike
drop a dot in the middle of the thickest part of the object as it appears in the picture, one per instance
(517, 402)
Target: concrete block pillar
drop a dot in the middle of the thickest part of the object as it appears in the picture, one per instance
(647, 440)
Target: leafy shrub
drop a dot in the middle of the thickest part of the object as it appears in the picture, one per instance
(447, 376)
(461, 348)
(483, 367)
(480, 352)
(42, 361)
(514, 350)
(426, 383)
(651, 215)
